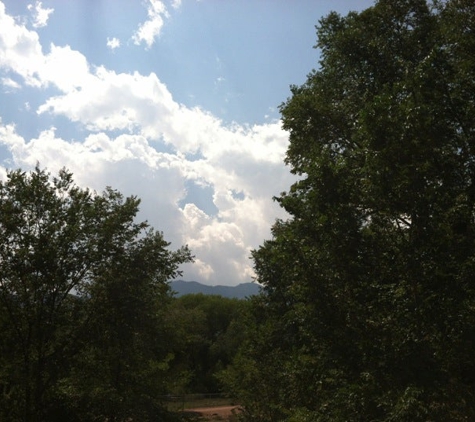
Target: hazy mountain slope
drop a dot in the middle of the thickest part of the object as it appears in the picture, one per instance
(240, 291)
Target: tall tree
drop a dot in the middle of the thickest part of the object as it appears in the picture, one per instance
(123, 366)
(368, 286)
(59, 244)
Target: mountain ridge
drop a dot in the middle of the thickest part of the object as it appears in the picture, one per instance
(241, 291)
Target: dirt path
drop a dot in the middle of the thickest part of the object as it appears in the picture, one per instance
(221, 413)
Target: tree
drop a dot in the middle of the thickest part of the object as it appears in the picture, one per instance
(256, 377)
(208, 331)
(368, 290)
(60, 246)
(124, 363)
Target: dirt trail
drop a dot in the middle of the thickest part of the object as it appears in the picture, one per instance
(216, 413)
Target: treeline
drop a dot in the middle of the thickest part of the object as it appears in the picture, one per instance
(90, 330)
(209, 330)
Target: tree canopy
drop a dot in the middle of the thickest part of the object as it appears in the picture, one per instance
(82, 287)
(208, 330)
(368, 308)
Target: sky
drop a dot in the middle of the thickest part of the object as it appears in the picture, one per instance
(174, 101)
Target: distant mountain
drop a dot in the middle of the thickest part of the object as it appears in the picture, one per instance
(240, 291)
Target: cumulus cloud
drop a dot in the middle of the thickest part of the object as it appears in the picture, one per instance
(139, 140)
(126, 162)
(20, 50)
(40, 15)
(113, 43)
(150, 29)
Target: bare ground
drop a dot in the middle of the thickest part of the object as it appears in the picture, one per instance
(221, 413)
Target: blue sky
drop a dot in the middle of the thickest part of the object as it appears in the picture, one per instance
(174, 101)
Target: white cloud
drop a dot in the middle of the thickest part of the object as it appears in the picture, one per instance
(113, 43)
(126, 119)
(40, 15)
(10, 83)
(150, 29)
(21, 53)
(20, 50)
(176, 4)
(127, 162)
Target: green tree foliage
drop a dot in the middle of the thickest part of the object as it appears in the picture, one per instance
(81, 291)
(256, 376)
(368, 309)
(208, 331)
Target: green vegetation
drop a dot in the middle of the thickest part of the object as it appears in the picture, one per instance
(90, 330)
(368, 310)
(208, 330)
(82, 297)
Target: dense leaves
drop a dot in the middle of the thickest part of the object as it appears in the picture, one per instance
(208, 331)
(82, 293)
(368, 307)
